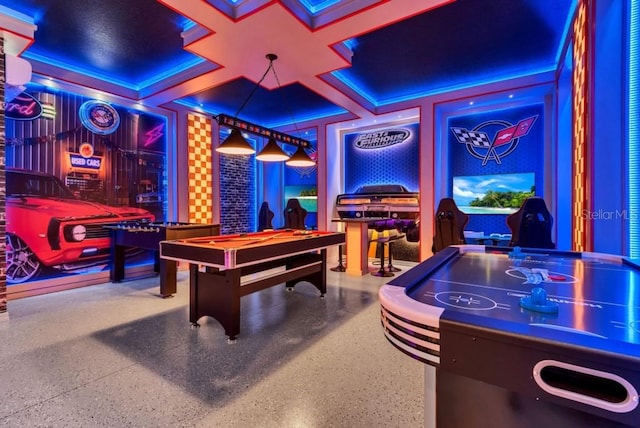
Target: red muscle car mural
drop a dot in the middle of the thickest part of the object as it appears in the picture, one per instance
(48, 227)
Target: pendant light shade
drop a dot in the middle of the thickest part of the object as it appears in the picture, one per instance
(235, 144)
(272, 152)
(300, 159)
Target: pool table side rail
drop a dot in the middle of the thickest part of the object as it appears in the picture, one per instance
(231, 258)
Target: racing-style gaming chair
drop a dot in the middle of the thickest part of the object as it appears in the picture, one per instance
(294, 215)
(531, 225)
(450, 223)
(265, 217)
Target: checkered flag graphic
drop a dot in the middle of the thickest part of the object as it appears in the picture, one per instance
(478, 139)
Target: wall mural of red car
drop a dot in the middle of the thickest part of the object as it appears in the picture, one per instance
(48, 227)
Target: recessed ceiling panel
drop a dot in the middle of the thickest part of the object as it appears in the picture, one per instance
(123, 40)
(269, 108)
(461, 43)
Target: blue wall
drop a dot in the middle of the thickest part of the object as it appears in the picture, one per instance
(392, 164)
(524, 155)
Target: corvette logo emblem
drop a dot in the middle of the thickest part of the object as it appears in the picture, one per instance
(504, 142)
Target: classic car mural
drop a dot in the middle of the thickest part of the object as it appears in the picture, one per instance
(391, 201)
(48, 227)
(387, 206)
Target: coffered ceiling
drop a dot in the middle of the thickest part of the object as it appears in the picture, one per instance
(350, 58)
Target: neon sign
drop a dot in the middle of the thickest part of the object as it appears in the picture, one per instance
(23, 107)
(78, 161)
(381, 139)
(99, 117)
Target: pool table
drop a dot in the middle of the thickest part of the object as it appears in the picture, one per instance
(224, 268)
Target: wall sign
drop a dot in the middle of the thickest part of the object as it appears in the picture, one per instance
(23, 107)
(381, 139)
(504, 142)
(385, 155)
(99, 117)
(86, 150)
(78, 161)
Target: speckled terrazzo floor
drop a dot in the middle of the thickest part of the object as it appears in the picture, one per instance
(115, 355)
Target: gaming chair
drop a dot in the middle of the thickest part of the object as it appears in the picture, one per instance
(531, 225)
(449, 224)
(265, 216)
(294, 215)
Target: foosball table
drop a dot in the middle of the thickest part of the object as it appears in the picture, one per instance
(147, 236)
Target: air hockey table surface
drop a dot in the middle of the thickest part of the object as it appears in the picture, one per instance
(489, 354)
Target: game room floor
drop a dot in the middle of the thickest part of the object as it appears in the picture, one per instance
(117, 355)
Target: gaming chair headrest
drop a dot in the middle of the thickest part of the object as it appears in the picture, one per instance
(531, 224)
(450, 224)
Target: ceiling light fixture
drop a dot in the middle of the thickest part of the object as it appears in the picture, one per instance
(300, 159)
(238, 145)
(272, 152)
(235, 144)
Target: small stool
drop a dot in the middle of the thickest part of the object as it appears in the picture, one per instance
(381, 242)
(340, 267)
(390, 266)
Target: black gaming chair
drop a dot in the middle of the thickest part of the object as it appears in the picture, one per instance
(265, 217)
(449, 223)
(294, 215)
(531, 225)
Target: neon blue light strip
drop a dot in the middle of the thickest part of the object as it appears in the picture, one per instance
(135, 87)
(440, 90)
(632, 126)
(567, 30)
(317, 8)
(15, 14)
(188, 24)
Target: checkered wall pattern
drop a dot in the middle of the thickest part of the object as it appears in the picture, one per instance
(581, 226)
(200, 169)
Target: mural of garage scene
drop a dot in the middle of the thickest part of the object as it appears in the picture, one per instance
(74, 165)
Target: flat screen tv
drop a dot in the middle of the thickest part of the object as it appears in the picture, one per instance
(493, 194)
(306, 195)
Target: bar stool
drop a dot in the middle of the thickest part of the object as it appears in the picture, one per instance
(340, 267)
(392, 239)
(381, 242)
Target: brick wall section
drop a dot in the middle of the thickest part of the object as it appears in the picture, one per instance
(237, 194)
(3, 276)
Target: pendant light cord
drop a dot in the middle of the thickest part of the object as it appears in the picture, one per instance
(271, 59)
(284, 101)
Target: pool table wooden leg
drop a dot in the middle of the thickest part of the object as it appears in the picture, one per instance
(168, 270)
(216, 294)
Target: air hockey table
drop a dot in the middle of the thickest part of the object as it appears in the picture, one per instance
(224, 268)
(521, 337)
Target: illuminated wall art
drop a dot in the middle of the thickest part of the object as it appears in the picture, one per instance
(99, 117)
(385, 155)
(65, 182)
(492, 148)
(23, 107)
